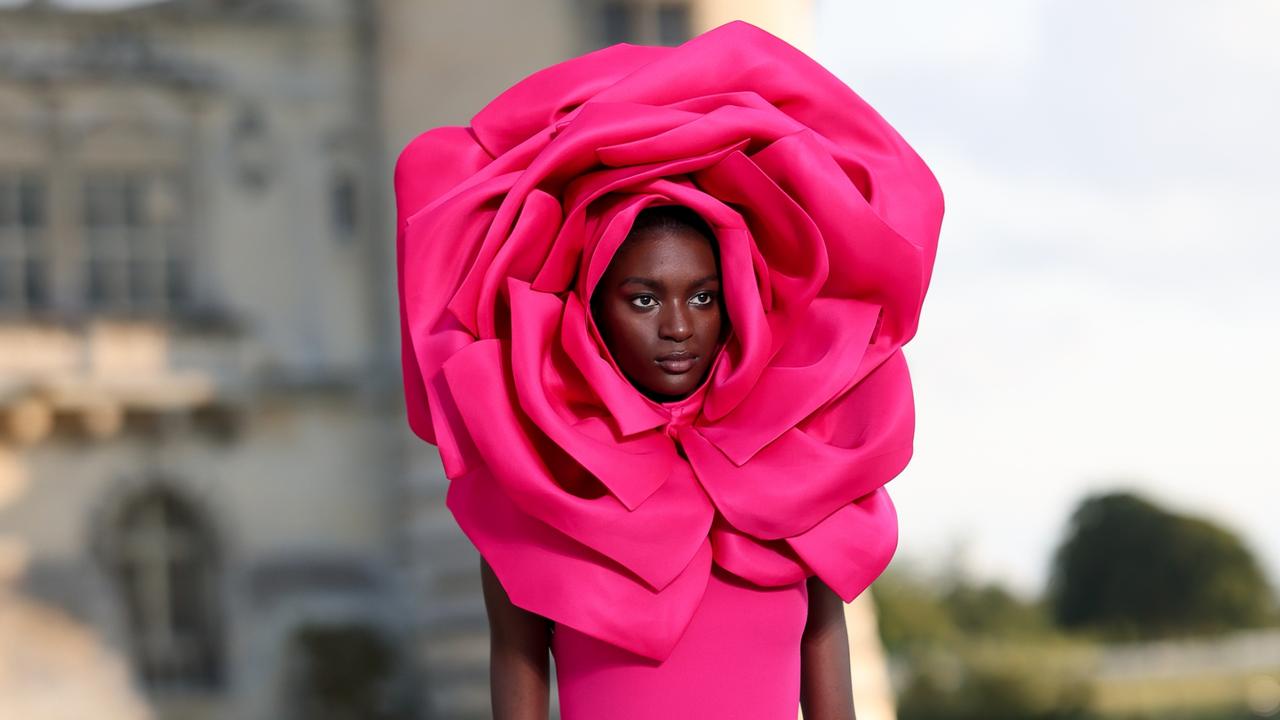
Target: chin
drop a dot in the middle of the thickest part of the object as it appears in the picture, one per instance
(670, 387)
(683, 387)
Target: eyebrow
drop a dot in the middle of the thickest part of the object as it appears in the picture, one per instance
(649, 282)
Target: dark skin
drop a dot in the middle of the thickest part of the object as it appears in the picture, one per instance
(826, 684)
(519, 655)
(659, 295)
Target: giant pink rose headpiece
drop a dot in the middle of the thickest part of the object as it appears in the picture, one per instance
(592, 506)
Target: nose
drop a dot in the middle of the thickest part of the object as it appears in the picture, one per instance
(676, 324)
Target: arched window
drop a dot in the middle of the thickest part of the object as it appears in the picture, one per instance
(163, 558)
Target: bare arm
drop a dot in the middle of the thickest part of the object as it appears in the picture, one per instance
(826, 688)
(519, 647)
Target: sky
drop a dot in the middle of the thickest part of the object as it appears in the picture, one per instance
(1101, 313)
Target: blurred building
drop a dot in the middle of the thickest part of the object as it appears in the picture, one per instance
(205, 470)
(201, 459)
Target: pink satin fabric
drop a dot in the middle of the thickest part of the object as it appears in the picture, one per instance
(597, 507)
(739, 659)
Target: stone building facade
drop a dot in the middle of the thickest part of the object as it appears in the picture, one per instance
(201, 458)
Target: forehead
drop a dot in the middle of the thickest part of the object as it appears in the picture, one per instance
(671, 251)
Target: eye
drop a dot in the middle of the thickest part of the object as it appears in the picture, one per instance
(710, 297)
(636, 301)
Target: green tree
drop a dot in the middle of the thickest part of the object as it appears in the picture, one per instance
(917, 610)
(909, 612)
(989, 610)
(1130, 570)
(975, 651)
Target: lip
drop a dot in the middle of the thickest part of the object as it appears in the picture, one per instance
(677, 363)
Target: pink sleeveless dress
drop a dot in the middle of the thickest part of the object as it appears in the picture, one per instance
(739, 657)
(669, 543)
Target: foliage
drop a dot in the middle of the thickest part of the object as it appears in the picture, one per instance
(975, 651)
(1130, 570)
(989, 610)
(964, 650)
(916, 610)
(910, 613)
(994, 682)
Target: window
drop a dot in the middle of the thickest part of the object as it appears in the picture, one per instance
(674, 24)
(163, 559)
(24, 264)
(644, 22)
(132, 231)
(344, 204)
(618, 22)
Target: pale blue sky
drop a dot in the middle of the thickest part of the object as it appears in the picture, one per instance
(1102, 308)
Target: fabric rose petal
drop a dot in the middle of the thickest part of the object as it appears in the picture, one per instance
(597, 507)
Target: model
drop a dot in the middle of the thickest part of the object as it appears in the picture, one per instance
(653, 303)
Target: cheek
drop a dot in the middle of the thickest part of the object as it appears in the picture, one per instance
(628, 334)
(712, 323)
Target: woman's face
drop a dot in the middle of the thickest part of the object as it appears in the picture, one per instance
(660, 297)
